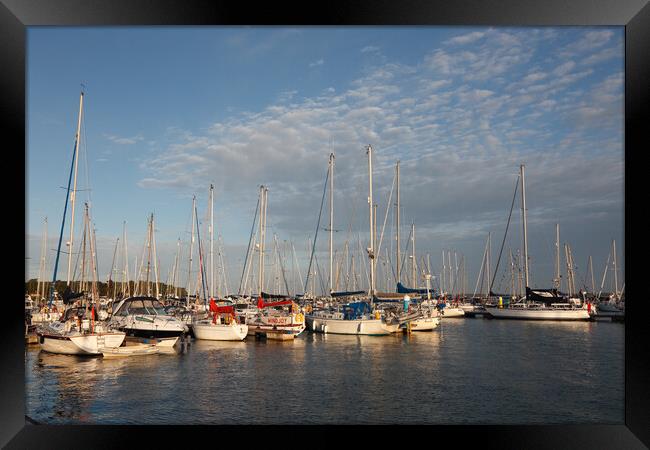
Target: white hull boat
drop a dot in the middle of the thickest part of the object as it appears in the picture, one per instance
(539, 313)
(425, 324)
(276, 328)
(145, 317)
(272, 324)
(335, 323)
(80, 344)
(452, 312)
(207, 330)
(131, 350)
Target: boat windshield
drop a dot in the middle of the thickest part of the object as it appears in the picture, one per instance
(154, 307)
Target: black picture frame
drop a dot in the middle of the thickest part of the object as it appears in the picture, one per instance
(16, 15)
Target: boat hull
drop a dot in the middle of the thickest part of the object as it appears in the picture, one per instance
(151, 334)
(206, 330)
(89, 344)
(425, 324)
(277, 332)
(371, 327)
(539, 314)
(452, 312)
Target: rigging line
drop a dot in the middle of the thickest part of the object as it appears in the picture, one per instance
(65, 209)
(381, 236)
(480, 272)
(313, 249)
(250, 239)
(504, 235)
(362, 260)
(320, 275)
(406, 250)
(202, 267)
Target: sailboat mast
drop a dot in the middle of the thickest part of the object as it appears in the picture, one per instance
(488, 269)
(155, 256)
(149, 254)
(444, 273)
(211, 241)
(93, 267)
(74, 186)
(331, 221)
(261, 244)
(189, 272)
(126, 288)
(523, 210)
(568, 269)
(615, 269)
(371, 250)
(82, 282)
(591, 270)
(398, 260)
(110, 274)
(178, 251)
(557, 281)
(512, 275)
(413, 274)
(41, 270)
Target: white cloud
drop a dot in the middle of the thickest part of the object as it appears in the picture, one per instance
(466, 38)
(124, 140)
(460, 134)
(319, 62)
(369, 48)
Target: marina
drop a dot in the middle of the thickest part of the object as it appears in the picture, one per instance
(350, 297)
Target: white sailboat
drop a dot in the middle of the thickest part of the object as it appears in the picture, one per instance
(279, 320)
(613, 307)
(357, 318)
(222, 325)
(538, 304)
(77, 332)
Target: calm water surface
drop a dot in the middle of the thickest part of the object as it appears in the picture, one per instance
(468, 371)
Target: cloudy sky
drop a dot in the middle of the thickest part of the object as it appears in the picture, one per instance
(168, 111)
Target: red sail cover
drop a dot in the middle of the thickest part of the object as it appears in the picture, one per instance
(262, 304)
(220, 309)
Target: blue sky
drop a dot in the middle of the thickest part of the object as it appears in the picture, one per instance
(169, 110)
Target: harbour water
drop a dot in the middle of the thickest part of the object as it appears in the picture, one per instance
(468, 371)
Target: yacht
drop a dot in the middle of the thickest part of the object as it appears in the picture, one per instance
(146, 317)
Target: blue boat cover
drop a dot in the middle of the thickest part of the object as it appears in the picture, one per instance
(355, 310)
(404, 290)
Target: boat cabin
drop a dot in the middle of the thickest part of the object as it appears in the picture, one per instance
(140, 305)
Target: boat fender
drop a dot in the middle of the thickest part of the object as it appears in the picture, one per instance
(324, 328)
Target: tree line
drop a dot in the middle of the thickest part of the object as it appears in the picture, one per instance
(107, 289)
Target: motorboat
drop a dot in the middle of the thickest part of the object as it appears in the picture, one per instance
(146, 317)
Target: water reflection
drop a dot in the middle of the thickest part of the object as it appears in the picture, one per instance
(465, 371)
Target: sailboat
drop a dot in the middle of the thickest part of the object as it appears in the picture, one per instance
(538, 304)
(222, 325)
(276, 320)
(77, 332)
(613, 306)
(360, 317)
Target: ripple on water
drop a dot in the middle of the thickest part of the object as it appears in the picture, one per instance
(466, 371)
